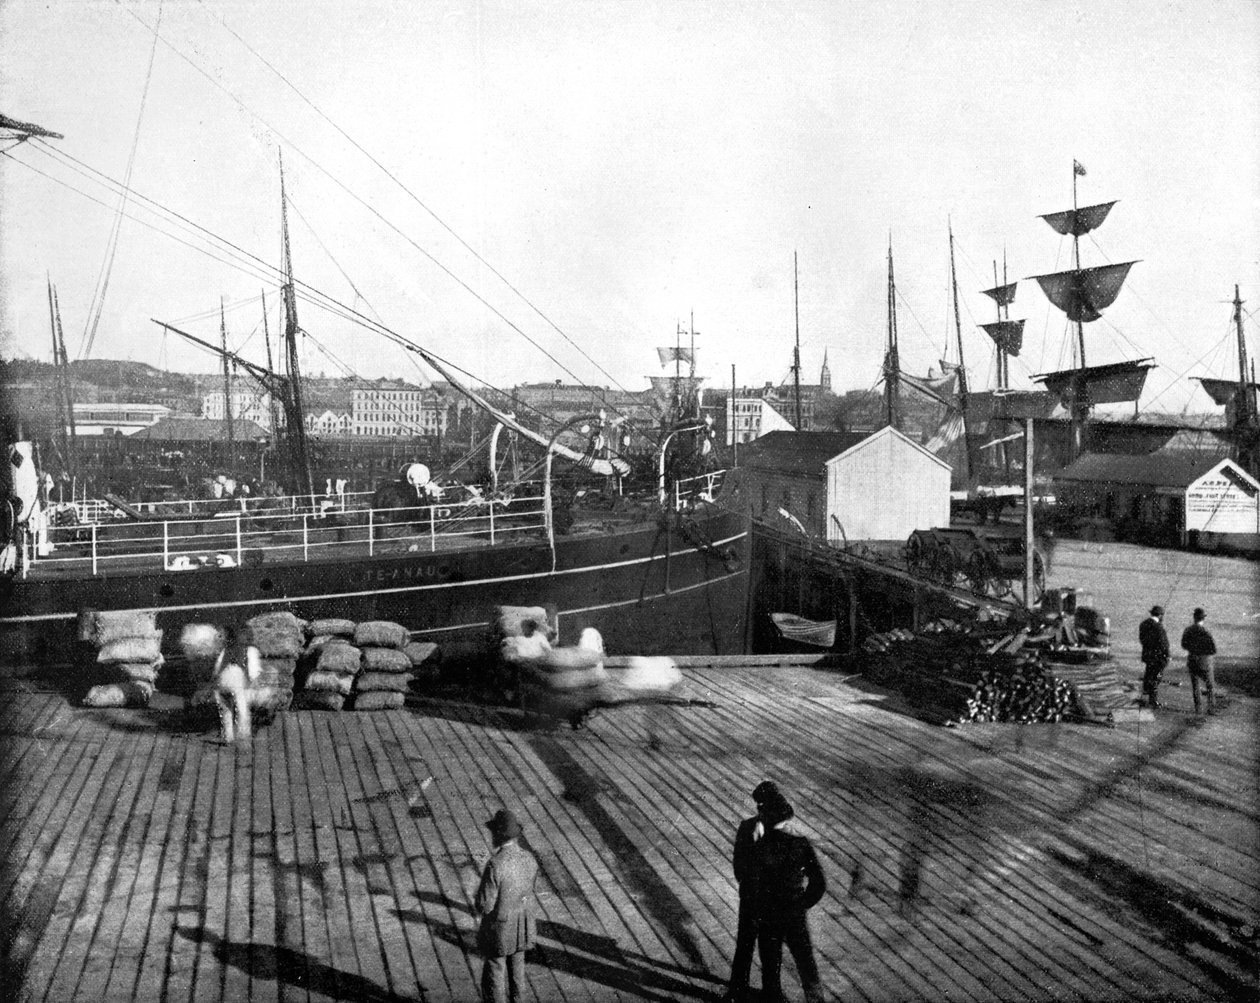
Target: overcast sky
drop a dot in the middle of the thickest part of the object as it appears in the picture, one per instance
(624, 165)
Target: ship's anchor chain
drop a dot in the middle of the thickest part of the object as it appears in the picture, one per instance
(699, 538)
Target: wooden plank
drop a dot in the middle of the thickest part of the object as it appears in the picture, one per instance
(259, 832)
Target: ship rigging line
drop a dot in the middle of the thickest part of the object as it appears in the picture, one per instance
(415, 198)
(257, 268)
(375, 212)
(111, 246)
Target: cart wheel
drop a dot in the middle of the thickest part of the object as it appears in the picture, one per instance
(978, 574)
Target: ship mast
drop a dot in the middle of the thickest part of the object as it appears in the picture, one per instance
(61, 369)
(796, 354)
(1082, 294)
(892, 366)
(962, 369)
(294, 413)
(1246, 420)
(227, 388)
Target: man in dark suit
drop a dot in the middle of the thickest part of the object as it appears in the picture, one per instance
(788, 883)
(505, 903)
(1154, 640)
(747, 836)
(1200, 649)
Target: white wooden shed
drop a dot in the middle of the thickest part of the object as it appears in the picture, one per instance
(884, 488)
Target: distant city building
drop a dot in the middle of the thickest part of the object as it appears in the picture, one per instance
(182, 429)
(247, 404)
(116, 419)
(329, 423)
(394, 408)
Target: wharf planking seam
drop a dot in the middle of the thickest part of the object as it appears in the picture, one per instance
(285, 862)
(450, 853)
(817, 823)
(264, 867)
(105, 958)
(936, 951)
(740, 783)
(391, 835)
(948, 862)
(1052, 888)
(92, 868)
(341, 947)
(701, 786)
(350, 883)
(241, 891)
(162, 847)
(38, 845)
(60, 778)
(487, 748)
(212, 972)
(18, 734)
(910, 743)
(722, 898)
(563, 835)
(85, 845)
(569, 832)
(447, 960)
(396, 967)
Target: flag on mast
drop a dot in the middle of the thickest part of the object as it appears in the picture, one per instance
(1078, 168)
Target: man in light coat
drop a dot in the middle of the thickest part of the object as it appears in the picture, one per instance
(505, 905)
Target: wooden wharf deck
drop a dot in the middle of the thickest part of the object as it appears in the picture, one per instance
(336, 856)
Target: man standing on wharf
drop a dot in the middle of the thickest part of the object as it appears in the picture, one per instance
(788, 882)
(505, 903)
(747, 836)
(1154, 640)
(1200, 652)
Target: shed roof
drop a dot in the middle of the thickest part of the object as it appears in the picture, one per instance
(888, 430)
(1160, 469)
(202, 430)
(801, 454)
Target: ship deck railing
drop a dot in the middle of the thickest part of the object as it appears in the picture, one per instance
(232, 538)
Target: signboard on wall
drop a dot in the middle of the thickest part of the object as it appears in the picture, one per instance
(1224, 500)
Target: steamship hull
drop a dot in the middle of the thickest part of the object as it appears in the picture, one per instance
(648, 589)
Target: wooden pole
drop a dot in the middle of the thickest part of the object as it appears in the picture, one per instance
(1028, 512)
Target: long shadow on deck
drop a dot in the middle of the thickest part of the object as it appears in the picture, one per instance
(295, 968)
(584, 955)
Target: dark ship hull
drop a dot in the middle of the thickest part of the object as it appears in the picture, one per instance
(649, 588)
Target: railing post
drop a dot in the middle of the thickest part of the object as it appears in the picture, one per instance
(166, 544)
(93, 548)
(239, 557)
(492, 524)
(306, 539)
(371, 514)
(432, 530)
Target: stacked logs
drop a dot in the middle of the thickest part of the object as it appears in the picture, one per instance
(977, 672)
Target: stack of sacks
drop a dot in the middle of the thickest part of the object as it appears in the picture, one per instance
(279, 639)
(425, 662)
(129, 650)
(333, 662)
(386, 667)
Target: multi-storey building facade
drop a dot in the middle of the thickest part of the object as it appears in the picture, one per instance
(247, 404)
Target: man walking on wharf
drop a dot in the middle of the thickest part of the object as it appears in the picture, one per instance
(1200, 655)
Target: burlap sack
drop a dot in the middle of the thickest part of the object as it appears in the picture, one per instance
(99, 627)
(277, 621)
(140, 672)
(397, 682)
(378, 700)
(319, 700)
(381, 634)
(337, 656)
(329, 682)
(131, 649)
(129, 694)
(332, 626)
(277, 642)
(385, 660)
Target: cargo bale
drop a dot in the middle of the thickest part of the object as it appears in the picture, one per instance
(378, 700)
(279, 621)
(381, 634)
(329, 682)
(396, 682)
(99, 627)
(140, 672)
(129, 694)
(338, 656)
(277, 642)
(385, 660)
(319, 700)
(131, 649)
(331, 626)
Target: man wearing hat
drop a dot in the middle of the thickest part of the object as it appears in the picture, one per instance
(789, 882)
(747, 836)
(1154, 640)
(1200, 653)
(505, 903)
